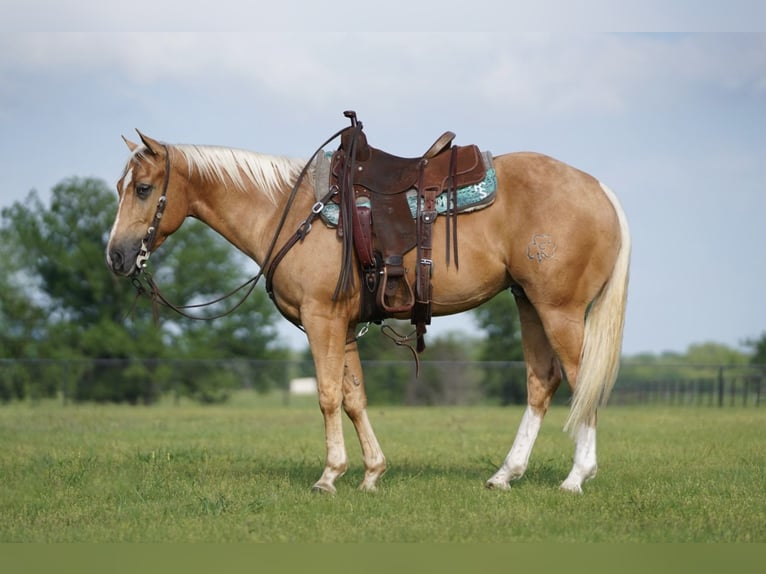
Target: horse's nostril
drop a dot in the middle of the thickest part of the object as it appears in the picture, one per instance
(116, 258)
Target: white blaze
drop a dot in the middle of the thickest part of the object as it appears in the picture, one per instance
(126, 182)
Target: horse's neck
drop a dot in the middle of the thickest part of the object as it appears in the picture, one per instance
(247, 219)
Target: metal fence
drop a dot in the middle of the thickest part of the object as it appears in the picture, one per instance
(703, 385)
(387, 382)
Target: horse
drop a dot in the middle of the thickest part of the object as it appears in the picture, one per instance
(555, 236)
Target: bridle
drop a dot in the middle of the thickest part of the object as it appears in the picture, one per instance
(147, 244)
(151, 290)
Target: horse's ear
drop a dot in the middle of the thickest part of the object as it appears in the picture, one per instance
(131, 146)
(152, 146)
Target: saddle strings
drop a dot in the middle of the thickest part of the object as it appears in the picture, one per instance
(451, 211)
(348, 206)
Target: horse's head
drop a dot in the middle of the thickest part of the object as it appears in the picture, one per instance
(151, 207)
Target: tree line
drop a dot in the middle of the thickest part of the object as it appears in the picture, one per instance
(59, 301)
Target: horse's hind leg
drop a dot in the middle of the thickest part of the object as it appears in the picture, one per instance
(565, 329)
(543, 378)
(355, 405)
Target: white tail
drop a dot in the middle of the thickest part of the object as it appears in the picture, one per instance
(602, 345)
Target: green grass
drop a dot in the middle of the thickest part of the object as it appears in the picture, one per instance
(243, 472)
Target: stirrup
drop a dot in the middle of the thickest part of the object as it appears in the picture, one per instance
(383, 304)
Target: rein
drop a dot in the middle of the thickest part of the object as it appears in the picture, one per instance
(152, 290)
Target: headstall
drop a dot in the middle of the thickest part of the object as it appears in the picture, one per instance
(147, 244)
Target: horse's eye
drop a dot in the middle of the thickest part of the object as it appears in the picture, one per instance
(143, 190)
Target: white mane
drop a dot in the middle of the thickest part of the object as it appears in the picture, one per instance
(239, 167)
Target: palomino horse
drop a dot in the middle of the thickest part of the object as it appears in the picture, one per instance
(555, 236)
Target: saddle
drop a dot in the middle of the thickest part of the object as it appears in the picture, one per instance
(376, 222)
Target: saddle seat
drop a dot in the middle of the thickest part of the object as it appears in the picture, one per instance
(387, 174)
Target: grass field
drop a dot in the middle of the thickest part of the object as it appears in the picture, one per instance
(242, 472)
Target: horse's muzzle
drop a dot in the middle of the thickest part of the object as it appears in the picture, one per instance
(121, 260)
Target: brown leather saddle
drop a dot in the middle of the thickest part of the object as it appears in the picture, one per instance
(376, 221)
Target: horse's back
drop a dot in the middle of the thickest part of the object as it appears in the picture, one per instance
(542, 187)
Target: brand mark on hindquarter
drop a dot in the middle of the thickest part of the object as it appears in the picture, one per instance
(541, 247)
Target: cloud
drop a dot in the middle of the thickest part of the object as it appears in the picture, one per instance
(536, 73)
(499, 16)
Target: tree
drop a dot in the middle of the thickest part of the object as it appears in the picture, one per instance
(388, 368)
(72, 307)
(20, 320)
(759, 350)
(499, 319)
(20, 325)
(714, 353)
(447, 374)
(61, 249)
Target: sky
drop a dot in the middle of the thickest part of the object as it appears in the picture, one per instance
(673, 122)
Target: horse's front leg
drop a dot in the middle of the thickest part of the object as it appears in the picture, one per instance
(355, 405)
(327, 340)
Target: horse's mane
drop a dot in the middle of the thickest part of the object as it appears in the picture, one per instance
(240, 167)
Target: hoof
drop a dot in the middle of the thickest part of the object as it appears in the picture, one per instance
(364, 487)
(576, 478)
(497, 485)
(572, 487)
(323, 488)
(370, 481)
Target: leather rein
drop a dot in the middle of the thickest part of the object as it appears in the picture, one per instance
(145, 285)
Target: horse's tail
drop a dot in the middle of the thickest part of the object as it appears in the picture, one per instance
(602, 344)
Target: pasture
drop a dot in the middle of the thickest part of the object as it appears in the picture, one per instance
(242, 473)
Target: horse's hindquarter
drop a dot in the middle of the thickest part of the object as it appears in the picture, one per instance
(551, 229)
